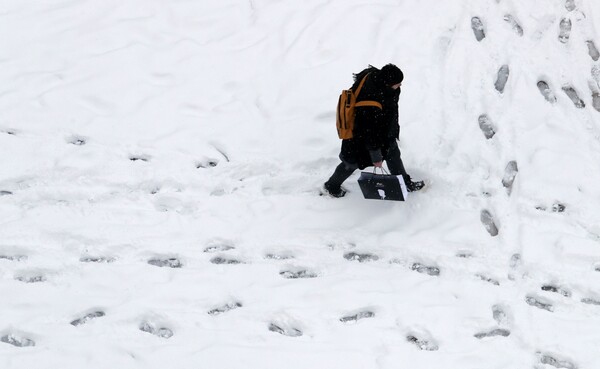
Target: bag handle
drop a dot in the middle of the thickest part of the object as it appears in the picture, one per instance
(383, 171)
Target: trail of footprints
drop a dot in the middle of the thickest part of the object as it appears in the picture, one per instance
(565, 27)
(536, 300)
(289, 329)
(77, 140)
(420, 340)
(486, 124)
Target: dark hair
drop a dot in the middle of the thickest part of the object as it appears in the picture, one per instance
(388, 75)
(391, 75)
(359, 76)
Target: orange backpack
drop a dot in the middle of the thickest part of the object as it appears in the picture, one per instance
(344, 119)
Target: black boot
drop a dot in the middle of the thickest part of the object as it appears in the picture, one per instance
(333, 186)
(333, 191)
(413, 186)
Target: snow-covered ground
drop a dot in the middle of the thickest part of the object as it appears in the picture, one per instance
(160, 164)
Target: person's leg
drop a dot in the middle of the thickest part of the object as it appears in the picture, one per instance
(348, 156)
(396, 167)
(341, 173)
(394, 161)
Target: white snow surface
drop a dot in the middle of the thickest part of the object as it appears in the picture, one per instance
(229, 108)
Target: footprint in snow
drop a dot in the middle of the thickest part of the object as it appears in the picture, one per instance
(500, 315)
(225, 308)
(167, 262)
(30, 278)
(341, 246)
(86, 318)
(151, 328)
(515, 263)
(77, 140)
(207, 163)
(502, 78)
(225, 260)
(272, 256)
(464, 254)
(486, 126)
(13, 257)
(553, 360)
(590, 301)
(564, 30)
(477, 27)
(5, 193)
(539, 303)
(425, 269)
(425, 344)
(285, 330)
(596, 73)
(596, 101)
(298, 274)
(488, 279)
(572, 94)
(546, 92)
(488, 221)
(558, 208)
(508, 18)
(17, 341)
(218, 248)
(9, 131)
(361, 258)
(144, 158)
(556, 289)
(356, 317)
(593, 50)
(570, 5)
(510, 173)
(493, 333)
(97, 259)
(555, 208)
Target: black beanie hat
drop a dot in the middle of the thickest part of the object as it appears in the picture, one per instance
(391, 75)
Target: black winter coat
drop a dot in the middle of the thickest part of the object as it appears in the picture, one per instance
(375, 130)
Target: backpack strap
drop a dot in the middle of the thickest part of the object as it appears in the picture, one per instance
(366, 102)
(360, 85)
(369, 103)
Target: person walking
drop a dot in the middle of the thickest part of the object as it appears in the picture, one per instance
(376, 130)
